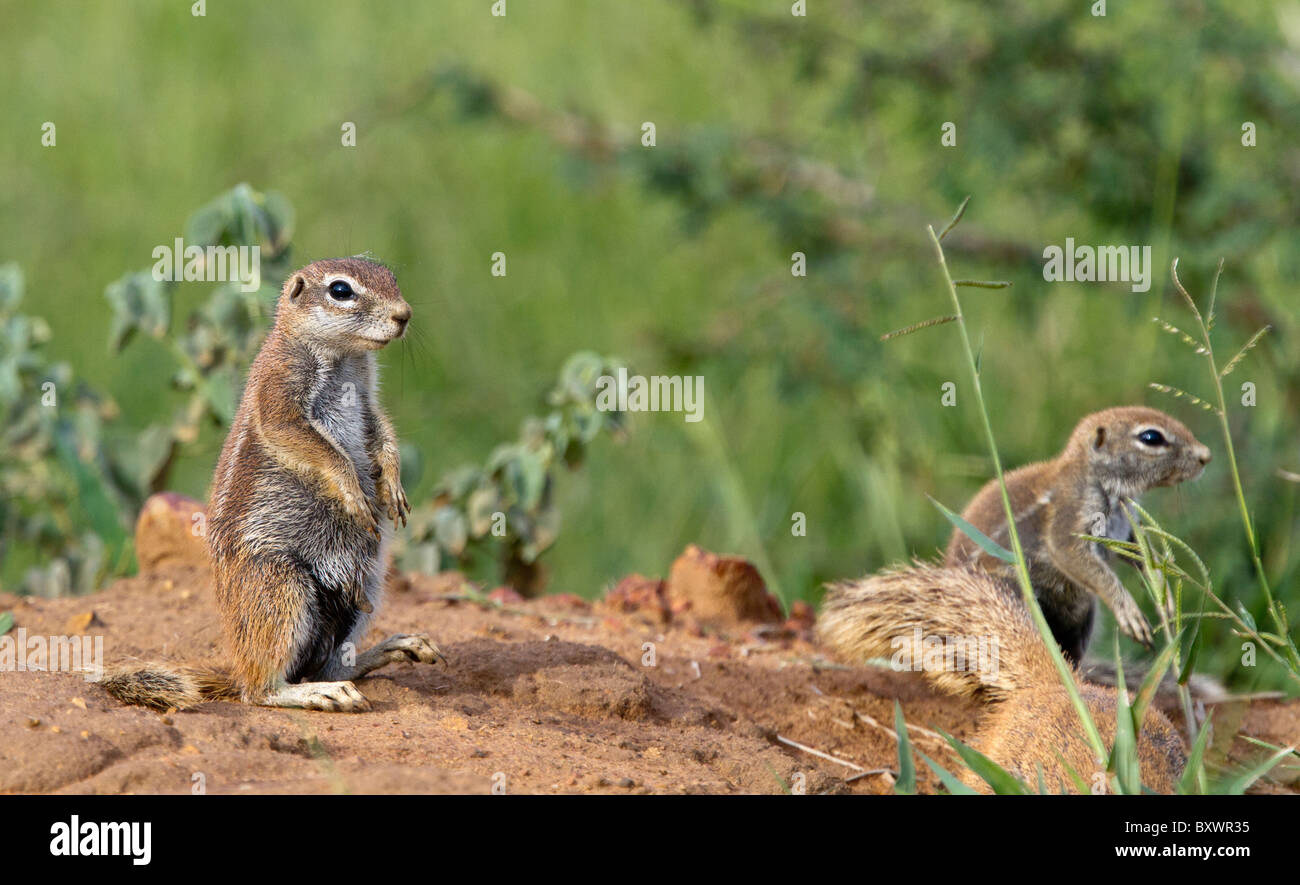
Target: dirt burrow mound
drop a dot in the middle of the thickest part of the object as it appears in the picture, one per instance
(654, 689)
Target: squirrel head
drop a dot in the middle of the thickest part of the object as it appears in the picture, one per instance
(1133, 448)
(343, 306)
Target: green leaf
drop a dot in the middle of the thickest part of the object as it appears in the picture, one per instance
(143, 456)
(1244, 779)
(95, 499)
(207, 226)
(1003, 782)
(450, 530)
(1123, 756)
(956, 217)
(1147, 690)
(983, 284)
(949, 780)
(530, 479)
(455, 484)
(1193, 779)
(6, 622)
(280, 220)
(906, 784)
(482, 503)
(987, 544)
(219, 392)
(1247, 617)
(1077, 779)
(140, 304)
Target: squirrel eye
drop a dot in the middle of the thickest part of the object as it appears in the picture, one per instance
(341, 291)
(1151, 438)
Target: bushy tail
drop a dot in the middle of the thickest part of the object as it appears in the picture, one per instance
(968, 631)
(1204, 688)
(167, 687)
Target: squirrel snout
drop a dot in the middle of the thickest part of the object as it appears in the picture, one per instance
(401, 315)
(1202, 454)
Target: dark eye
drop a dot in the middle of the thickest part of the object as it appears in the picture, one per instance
(341, 291)
(1152, 438)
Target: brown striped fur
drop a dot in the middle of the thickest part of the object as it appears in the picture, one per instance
(1029, 718)
(307, 478)
(1081, 491)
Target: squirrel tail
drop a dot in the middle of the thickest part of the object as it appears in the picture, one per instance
(968, 631)
(166, 687)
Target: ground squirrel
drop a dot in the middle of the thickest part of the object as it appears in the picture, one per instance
(1112, 455)
(296, 528)
(1030, 720)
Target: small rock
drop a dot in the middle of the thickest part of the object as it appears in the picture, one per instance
(168, 532)
(637, 593)
(82, 622)
(570, 600)
(503, 595)
(720, 589)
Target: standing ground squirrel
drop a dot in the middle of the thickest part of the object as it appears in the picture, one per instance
(1112, 455)
(1030, 720)
(308, 471)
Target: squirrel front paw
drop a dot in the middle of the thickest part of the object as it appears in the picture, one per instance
(360, 507)
(392, 497)
(1132, 622)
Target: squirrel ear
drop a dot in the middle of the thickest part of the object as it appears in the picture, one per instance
(1101, 437)
(296, 285)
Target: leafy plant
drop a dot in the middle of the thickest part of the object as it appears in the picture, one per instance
(215, 343)
(508, 504)
(61, 496)
(73, 482)
(1281, 638)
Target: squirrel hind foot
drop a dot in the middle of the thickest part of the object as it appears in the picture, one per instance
(414, 648)
(327, 697)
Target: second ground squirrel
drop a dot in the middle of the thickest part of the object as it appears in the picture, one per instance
(1111, 456)
(1030, 721)
(297, 523)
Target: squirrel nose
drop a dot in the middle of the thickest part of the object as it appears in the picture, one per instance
(402, 315)
(1203, 455)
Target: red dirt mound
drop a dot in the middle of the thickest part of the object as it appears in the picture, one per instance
(633, 694)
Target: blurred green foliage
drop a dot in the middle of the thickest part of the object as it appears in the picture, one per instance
(509, 503)
(65, 495)
(214, 345)
(774, 135)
